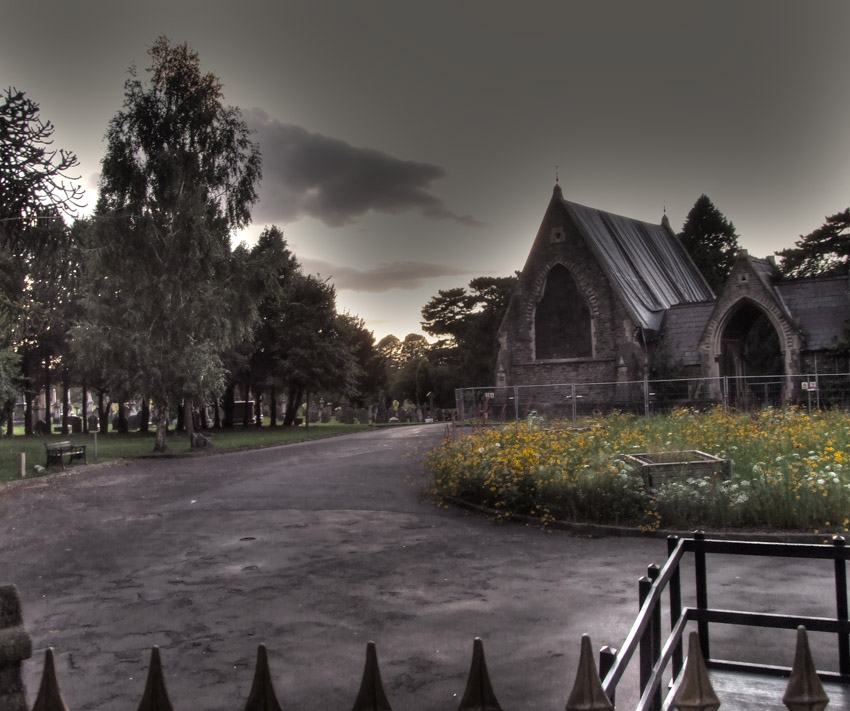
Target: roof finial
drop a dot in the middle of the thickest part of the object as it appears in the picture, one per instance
(556, 175)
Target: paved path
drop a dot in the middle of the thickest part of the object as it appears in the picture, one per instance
(312, 549)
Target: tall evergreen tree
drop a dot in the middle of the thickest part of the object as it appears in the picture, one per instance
(823, 252)
(711, 241)
(179, 174)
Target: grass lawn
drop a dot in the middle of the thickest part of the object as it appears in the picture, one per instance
(116, 446)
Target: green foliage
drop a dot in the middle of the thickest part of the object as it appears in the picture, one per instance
(466, 323)
(791, 471)
(164, 297)
(711, 241)
(823, 252)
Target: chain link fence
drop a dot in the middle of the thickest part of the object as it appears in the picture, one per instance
(573, 401)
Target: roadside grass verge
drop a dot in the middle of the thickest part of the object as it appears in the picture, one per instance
(790, 471)
(112, 445)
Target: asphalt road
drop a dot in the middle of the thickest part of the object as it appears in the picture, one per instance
(312, 549)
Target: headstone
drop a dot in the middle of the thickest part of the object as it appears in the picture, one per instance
(76, 424)
(327, 410)
(201, 441)
(348, 415)
(363, 416)
(94, 422)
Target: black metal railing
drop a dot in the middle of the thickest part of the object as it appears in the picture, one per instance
(659, 657)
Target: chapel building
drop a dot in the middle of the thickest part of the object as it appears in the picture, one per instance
(608, 299)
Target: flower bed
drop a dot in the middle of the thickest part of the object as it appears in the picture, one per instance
(789, 471)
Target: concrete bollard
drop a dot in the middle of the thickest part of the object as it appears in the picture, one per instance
(23, 465)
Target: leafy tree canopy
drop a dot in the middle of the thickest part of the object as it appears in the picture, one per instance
(466, 323)
(711, 241)
(823, 252)
(165, 293)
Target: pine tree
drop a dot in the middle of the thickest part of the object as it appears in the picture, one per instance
(711, 241)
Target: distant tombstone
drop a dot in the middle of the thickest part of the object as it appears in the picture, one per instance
(404, 415)
(41, 427)
(94, 422)
(133, 421)
(76, 424)
(363, 416)
(313, 414)
(419, 417)
(327, 410)
(201, 441)
(348, 415)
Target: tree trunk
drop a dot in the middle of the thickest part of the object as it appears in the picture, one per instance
(48, 415)
(103, 412)
(273, 407)
(258, 408)
(27, 410)
(10, 420)
(181, 413)
(161, 429)
(216, 415)
(246, 412)
(228, 407)
(188, 419)
(145, 416)
(293, 402)
(66, 399)
(123, 423)
(85, 407)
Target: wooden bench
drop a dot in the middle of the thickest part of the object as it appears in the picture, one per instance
(57, 450)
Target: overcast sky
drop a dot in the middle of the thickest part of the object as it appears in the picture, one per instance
(409, 147)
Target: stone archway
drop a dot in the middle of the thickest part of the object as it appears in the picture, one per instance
(750, 346)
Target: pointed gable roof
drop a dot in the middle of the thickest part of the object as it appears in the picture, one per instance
(645, 263)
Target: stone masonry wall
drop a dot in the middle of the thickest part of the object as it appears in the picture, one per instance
(560, 242)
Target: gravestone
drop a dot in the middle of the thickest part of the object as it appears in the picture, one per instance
(363, 416)
(94, 422)
(327, 411)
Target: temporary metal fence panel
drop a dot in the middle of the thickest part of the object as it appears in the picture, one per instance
(539, 404)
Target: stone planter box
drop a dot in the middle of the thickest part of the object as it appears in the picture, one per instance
(660, 467)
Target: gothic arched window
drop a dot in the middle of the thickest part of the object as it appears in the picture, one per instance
(562, 323)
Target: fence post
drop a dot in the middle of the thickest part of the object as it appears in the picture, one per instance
(516, 406)
(675, 604)
(652, 572)
(701, 579)
(644, 588)
(646, 396)
(841, 611)
(575, 404)
(607, 658)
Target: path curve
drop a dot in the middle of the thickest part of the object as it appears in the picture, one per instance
(313, 549)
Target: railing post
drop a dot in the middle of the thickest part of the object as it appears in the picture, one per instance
(653, 571)
(701, 581)
(644, 588)
(675, 604)
(841, 611)
(516, 407)
(607, 658)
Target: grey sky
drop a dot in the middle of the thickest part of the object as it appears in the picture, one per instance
(409, 147)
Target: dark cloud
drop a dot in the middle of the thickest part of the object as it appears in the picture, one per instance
(383, 277)
(308, 174)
